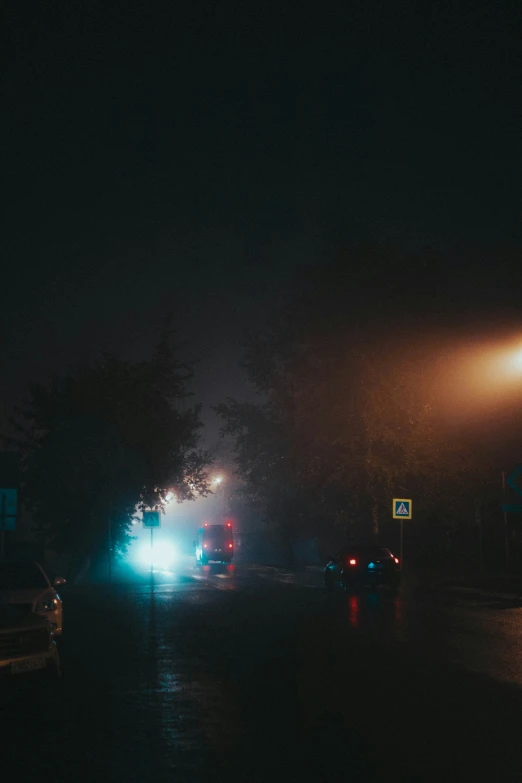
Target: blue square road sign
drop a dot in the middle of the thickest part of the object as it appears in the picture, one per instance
(402, 508)
(9, 506)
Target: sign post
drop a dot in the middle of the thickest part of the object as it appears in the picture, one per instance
(109, 525)
(151, 519)
(515, 482)
(478, 522)
(513, 479)
(2, 523)
(506, 526)
(8, 512)
(402, 509)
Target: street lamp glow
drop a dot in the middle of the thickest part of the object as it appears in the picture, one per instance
(517, 361)
(218, 479)
(479, 374)
(511, 361)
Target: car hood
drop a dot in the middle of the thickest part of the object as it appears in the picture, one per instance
(27, 596)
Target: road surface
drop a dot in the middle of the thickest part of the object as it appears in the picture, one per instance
(257, 674)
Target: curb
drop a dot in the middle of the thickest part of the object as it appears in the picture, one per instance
(484, 591)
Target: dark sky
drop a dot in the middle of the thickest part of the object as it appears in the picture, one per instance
(190, 157)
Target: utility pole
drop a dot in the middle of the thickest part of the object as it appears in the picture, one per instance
(506, 528)
(110, 542)
(478, 521)
(2, 526)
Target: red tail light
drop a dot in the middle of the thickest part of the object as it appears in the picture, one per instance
(396, 560)
(230, 546)
(352, 562)
(229, 524)
(205, 524)
(205, 546)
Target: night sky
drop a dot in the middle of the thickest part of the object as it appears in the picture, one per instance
(163, 158)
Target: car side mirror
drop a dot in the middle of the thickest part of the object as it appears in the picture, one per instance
(59, 581)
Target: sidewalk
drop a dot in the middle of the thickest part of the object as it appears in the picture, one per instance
(495, 584)
(500, 584)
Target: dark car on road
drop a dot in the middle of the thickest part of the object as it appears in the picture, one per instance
(214, 543)
(355, 566)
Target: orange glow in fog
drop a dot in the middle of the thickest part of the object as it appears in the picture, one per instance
(480, 373)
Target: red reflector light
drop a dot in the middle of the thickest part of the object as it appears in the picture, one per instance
(396, 560)
(353, 561)
(230, 546)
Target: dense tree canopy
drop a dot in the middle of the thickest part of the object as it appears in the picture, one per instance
(104, 441)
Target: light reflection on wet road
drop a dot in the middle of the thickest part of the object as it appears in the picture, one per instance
(254, 673)
(471, 630)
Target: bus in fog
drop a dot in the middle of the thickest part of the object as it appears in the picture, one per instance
(215, 544)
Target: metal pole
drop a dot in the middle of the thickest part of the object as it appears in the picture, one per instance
(110, 542)
(506, 529)
(478, 521)
(151, 555)
(481, 548)
(402, 533)
(2, 525)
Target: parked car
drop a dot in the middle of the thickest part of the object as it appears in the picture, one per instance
(26, 585)
(26, 643)
(354, 566)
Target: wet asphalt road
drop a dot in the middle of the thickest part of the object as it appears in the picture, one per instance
(254, 674)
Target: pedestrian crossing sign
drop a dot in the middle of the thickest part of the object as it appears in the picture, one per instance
(151, 519)
(401, 508)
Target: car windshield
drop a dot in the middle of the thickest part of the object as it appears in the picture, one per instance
(375, 551)
(21, 576)
(367, 551)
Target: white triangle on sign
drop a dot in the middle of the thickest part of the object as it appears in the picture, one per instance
(402, 510)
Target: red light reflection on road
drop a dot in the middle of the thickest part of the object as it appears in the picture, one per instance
(355, 607)
(398, 617)
(231, 570)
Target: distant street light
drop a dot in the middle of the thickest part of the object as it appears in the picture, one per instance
(217, 481)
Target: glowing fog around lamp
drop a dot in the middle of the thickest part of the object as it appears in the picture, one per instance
(162, 555)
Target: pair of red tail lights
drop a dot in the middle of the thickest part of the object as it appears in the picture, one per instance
(353, 561)
(228, 524)
(230, 546)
